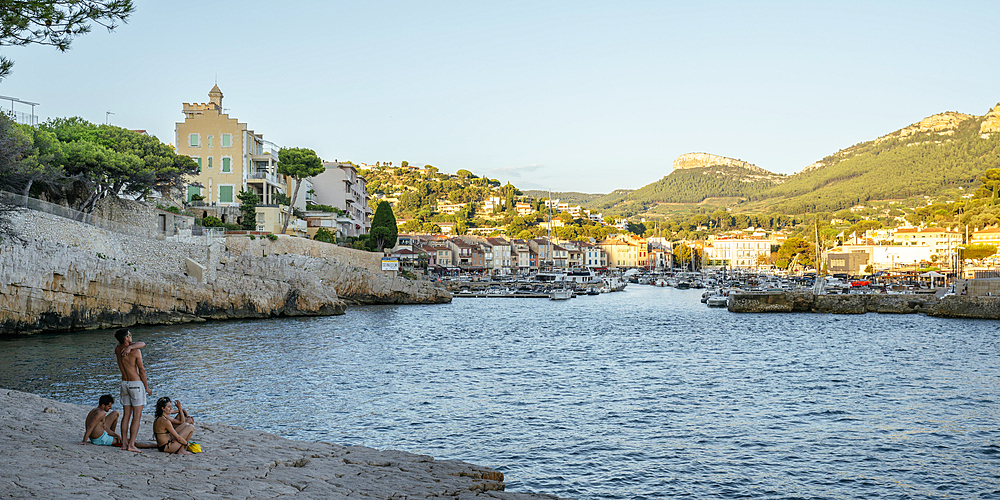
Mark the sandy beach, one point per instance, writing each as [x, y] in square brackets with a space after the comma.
[42, 458]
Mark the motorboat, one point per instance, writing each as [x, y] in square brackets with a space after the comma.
[561, 294]
[717, 301]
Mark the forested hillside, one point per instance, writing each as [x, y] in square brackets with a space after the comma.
[897, 166]
[943, 154]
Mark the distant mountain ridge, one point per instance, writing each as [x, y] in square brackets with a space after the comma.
[945, 151]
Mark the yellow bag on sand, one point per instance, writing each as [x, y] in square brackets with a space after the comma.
[194, 447]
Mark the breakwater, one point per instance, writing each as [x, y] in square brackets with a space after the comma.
[951, 306]
[68, 276]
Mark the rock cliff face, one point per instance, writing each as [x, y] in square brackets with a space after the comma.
[727, 166]
[48, 288]
[700, 160]
[991, 123]
[70, 277]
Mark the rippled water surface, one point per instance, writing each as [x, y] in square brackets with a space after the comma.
[640, 394]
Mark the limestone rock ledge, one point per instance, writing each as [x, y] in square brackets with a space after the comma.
[953, 306]
[72, 276]
[44, 460]
[47, 287]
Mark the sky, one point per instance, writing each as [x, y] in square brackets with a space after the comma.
[563, 95]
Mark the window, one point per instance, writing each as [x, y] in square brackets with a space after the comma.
[193, 140]
[209, 162]
[209, 141]
[197, 159]
[193, 190]
[227, 140]
[227, 164]
[225, 194]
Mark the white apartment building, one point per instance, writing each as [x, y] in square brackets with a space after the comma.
[748, 252]
[340, 186]
[941, 241]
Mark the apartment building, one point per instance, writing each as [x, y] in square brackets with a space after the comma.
[990, 236]
[502, 255]
[230, 156]
[340, 186]
[745, 252]
[625, 251]
[941, 241]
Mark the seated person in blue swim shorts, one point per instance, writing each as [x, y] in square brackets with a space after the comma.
[101, 424]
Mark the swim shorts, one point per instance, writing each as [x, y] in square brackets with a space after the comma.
[104, 440]
[133, 393]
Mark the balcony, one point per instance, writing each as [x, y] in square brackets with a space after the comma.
[265, 176]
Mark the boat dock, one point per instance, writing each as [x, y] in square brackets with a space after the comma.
[505, 295]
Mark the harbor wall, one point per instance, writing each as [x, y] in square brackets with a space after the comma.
[952, 306]
[69, 276]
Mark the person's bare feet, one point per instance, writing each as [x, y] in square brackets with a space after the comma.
[184, 452]
[133, 449]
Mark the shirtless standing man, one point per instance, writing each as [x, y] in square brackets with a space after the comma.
[133, 382]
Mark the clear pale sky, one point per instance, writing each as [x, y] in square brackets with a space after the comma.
[569, 96]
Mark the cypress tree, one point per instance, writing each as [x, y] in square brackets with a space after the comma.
[384, 231]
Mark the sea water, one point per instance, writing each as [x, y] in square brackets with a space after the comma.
[645, 393]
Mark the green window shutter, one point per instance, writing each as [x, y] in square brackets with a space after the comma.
[198, 161]
[227, 140]
[227, 165]
[193, 140]
[226, 194]
[209, 141]
[193, 190]
[209, 162]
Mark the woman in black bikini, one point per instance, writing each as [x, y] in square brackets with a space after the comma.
[168, 438]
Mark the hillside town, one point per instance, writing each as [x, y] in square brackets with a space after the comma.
[233, 159]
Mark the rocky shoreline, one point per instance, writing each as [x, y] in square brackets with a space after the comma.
[951, 306]
[43, 459]
[69, 276]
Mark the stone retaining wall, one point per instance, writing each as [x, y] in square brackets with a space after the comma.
[259, 246]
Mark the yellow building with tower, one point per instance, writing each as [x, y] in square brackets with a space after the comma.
[230, 156]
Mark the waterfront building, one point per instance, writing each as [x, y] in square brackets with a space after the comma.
[884, 257]
[990, 236]
[230, 156]
[593, 256]
[854, 263]
[661, 253]
[466, 255]
[502, 255]
[574, 254]
[340, 186]
[443, 254]
[523, 258]
[625, 251]
[939, 240]
[747, 252]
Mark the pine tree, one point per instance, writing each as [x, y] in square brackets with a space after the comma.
[248, 209]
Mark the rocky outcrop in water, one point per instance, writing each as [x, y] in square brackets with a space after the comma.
[953, 306]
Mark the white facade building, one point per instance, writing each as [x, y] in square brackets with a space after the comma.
[340, 186]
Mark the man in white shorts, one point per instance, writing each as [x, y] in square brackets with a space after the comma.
[134, 389]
